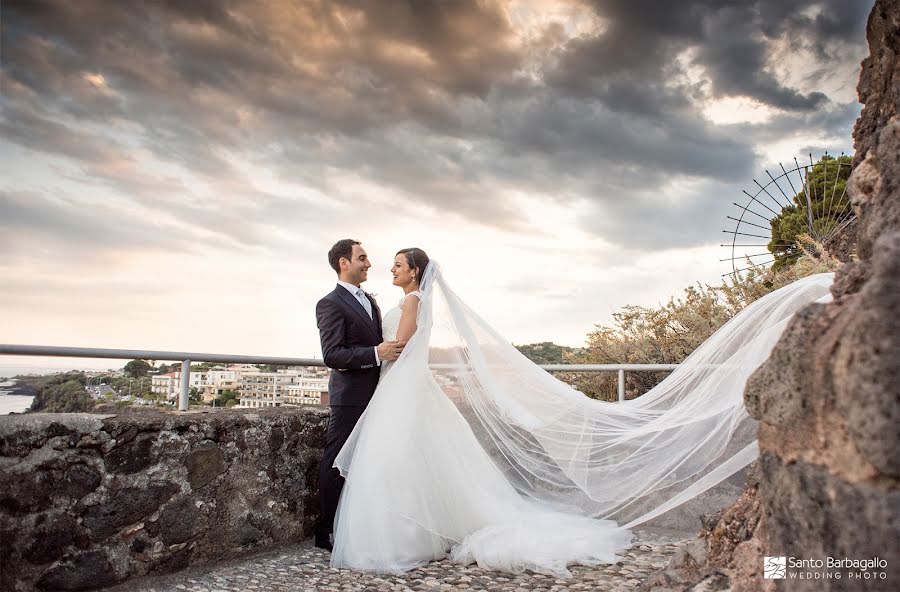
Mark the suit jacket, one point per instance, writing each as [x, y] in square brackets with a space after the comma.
[349, 337]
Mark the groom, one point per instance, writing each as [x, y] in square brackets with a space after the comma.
[349, 324]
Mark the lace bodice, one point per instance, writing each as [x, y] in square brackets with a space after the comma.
[390, 322]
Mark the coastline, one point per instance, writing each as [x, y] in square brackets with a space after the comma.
[14, 398]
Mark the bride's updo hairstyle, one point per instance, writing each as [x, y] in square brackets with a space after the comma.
[416, 259]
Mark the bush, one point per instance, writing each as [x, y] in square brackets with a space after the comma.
[62, 393]
[669, 333]
[545, 352]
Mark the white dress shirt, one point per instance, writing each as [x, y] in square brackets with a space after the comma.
[360, 296]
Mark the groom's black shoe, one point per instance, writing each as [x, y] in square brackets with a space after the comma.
[324, 543]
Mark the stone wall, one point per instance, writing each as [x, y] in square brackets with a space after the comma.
[828, 398]
[88, 501]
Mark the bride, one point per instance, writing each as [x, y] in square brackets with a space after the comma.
[469, 449]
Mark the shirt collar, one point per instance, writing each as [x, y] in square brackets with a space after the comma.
[349, 287]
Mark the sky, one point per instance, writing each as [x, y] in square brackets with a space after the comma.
[174, 173]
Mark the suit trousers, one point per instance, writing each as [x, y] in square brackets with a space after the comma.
[340, 424]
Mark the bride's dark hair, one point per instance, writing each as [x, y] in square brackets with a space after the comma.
[416, 259]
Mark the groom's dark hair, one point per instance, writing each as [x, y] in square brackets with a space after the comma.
[342, 248]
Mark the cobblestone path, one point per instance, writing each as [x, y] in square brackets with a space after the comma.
[305, 568]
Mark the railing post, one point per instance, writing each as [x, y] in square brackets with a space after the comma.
[621, 384]
[185, 385]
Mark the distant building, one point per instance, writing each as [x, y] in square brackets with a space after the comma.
[239, 369]
[290, 387]
[209, 383]
[307, 390]
[165, 384]
[218, 380]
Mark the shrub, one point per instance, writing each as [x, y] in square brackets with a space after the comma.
[669, 333]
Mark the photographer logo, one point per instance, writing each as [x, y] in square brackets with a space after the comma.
[829, 568]
[774, 568]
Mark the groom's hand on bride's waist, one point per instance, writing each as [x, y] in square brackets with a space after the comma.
[390, 350]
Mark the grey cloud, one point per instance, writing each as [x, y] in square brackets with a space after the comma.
[736, 60]
[430, 101]
[107, 161]
[829, 24]
[837, 122]
[24, 122]
[734, 42]
[30, 220]
[647, 222]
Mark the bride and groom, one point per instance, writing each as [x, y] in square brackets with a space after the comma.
[445, 440]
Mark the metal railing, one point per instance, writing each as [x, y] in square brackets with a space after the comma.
[186, 358]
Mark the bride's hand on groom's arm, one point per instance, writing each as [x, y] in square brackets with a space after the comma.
[389, 351]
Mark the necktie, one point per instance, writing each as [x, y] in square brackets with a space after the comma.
[361, 296]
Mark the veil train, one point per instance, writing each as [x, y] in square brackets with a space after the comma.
[660, 460]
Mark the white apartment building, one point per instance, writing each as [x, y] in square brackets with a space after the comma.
[308, 390]
[239, 369]
[170, 384]
[219, 380]
[218, 375]
[210, 383]
[292, 386]
[164, 384]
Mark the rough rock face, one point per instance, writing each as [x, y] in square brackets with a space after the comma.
[828, 398]
[88, 501]
[879, 81]
[717, 555]
[829, 405]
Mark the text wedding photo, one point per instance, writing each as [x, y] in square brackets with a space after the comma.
[450, 295]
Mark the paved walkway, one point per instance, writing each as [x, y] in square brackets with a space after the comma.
[305, 568]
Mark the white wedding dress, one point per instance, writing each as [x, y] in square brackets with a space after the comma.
[468, 449]
[421, 485]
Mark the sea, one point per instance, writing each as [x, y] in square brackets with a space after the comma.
[10, 403]
[13, 403]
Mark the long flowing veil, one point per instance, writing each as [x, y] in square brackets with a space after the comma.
[657, 460]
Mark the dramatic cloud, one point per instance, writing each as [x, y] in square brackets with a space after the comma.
[265, 129]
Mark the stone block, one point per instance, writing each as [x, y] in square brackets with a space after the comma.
[130, 455]
[84, 571]
[204, 464]
[125, 506]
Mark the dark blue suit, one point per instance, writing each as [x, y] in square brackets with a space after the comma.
[348, 337]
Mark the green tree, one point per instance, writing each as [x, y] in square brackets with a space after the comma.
[120, 384]
[546, 352]
[142, 387]
[194, 395]
[228, 398]
[137, 368]
[825, 192]
[62, 393]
